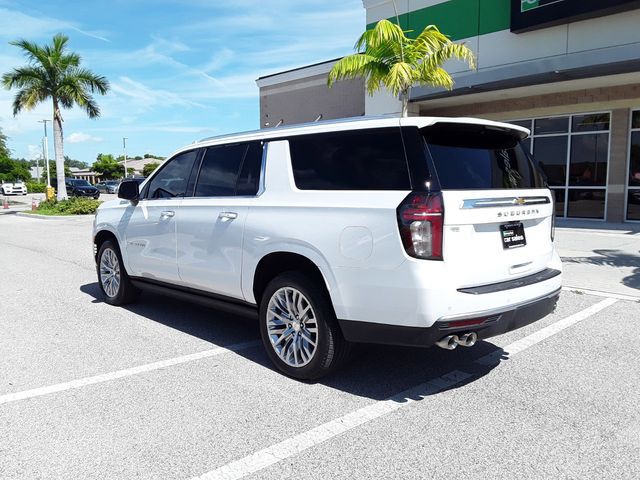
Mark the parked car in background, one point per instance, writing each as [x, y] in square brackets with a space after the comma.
[416, 231]
[13, 188]
[78, 188]
[108, 186]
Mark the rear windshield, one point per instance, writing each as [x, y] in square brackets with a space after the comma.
[477, 157]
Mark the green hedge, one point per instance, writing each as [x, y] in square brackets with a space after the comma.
[72, 206]
[35, 187]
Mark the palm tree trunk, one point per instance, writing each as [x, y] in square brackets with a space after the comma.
[404, 97]
[61, 191]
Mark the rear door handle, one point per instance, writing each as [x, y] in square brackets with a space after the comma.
[167, 213]
[226, 216]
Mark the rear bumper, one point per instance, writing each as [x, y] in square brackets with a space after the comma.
[497, 322]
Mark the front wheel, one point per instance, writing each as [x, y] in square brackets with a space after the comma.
[112, 277]
[299, 329]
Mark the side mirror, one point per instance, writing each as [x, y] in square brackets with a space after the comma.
[129, 190]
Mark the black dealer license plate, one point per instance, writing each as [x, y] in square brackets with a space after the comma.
[513, 235]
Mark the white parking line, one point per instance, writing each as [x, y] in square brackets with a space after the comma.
[599, 293]
[105, 377]
[303, 441]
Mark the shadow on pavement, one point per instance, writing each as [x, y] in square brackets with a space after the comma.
[612, 258]
[373, 371]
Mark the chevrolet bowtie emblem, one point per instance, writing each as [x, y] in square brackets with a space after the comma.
[520, 201]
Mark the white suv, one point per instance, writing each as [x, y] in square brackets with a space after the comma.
[16, 188]
[414, 231]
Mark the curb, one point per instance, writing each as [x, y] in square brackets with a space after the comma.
[50, 217]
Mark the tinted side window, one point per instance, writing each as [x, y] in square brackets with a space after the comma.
[172, 180]
[219, 170]
[354, 160]
[249, 180]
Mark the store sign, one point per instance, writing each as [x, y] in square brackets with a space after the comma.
[527, 5]
[533, 14]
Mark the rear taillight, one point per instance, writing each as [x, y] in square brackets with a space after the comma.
[420, 219]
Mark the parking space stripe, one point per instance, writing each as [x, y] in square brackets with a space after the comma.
[106, 377]
[303, 441]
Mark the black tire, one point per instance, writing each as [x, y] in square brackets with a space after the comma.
[331, 348]
[125, 292]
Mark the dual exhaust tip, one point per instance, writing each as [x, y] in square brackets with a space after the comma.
[452, 341]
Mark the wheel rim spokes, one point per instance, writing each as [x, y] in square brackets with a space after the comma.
[110, 273]
[292, 327]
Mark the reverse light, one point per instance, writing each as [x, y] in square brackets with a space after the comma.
[420, 220]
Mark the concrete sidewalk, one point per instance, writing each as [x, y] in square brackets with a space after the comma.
[600, 256]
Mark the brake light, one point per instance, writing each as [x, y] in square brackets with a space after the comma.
[421, 219]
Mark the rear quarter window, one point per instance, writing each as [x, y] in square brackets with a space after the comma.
[477, 157]
[354, 160]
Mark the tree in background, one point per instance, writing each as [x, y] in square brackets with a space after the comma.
[388, 58]
[10, 169]
[4, 149]
[54, 73]
[53, 171]
[149, 168]
[107, 167]
[71, 163]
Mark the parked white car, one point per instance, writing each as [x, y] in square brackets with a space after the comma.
[415, 231]
[13, 188]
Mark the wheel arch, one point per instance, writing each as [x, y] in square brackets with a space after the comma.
[276, 263]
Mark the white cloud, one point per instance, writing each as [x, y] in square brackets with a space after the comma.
[16, 24]
[79, 137]
[146, 97]
[34, 151]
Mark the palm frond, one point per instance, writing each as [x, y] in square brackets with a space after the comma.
[448, 52]
[352, 66]
[28, 98]
[384, 32]
[430, 40]
[437, 77]
[32, 51]
[399, 78]
[24, 76]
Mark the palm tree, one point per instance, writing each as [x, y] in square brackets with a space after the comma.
[387, 57]
[54, 73]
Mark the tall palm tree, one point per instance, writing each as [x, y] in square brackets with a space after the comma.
[54, 73]
[387, 57]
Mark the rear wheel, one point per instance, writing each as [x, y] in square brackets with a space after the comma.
[299, 329]
[112, 277]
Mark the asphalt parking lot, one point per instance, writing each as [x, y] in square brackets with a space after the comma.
[166, 389]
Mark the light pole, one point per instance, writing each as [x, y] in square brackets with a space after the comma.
[45, 150]
[124, 152]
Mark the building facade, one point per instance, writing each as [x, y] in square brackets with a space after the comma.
[569, 70]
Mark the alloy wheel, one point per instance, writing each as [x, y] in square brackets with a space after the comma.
[292, 327]
[110, 272]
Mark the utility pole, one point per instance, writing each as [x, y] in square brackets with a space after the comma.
[124, 152]
[45, 150]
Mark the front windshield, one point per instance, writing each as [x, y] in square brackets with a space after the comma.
[80, 183]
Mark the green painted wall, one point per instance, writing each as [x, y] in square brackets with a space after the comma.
[459, 18]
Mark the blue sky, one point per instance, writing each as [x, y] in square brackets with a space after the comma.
[180, 70]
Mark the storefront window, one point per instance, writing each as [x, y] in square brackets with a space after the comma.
[633, 184]
[573, 152]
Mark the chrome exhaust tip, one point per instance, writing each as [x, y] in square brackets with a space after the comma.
[468, 339]
[448, 343]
